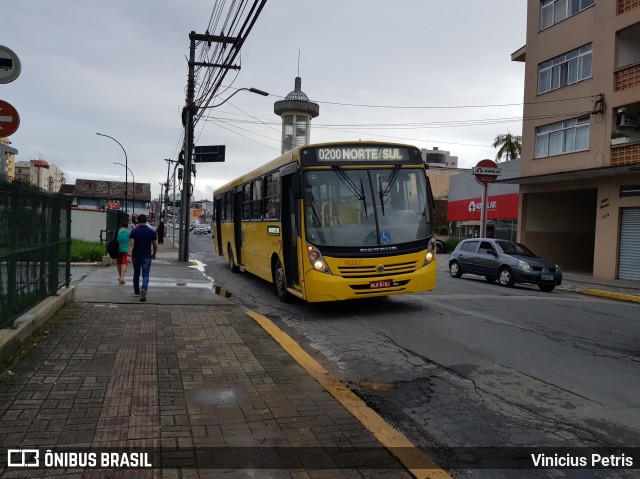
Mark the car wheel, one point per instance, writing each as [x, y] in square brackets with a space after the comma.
[547, 288]
[490, 279]
[439, 247]
[280, 283]
[454, 269]
[232, 265]
[505, 277]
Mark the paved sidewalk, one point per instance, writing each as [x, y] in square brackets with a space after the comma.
[187, 378]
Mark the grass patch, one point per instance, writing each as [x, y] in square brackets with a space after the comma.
[86, 251]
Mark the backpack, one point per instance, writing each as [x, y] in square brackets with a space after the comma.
[113, 247]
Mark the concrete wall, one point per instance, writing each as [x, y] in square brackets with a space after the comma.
[86, 224]
[464, 185]
[560, 226]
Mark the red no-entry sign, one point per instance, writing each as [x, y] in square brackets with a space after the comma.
[486, 171]
[9, 119]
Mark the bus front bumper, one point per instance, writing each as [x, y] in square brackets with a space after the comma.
[327, 287]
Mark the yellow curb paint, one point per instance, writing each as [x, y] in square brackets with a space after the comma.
[608, 294]
[398, 445]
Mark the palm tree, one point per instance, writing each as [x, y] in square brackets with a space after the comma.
[510, 146]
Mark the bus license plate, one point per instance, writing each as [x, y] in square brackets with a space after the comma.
[547, 277]
[383, 283]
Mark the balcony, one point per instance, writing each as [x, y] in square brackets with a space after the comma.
[626, 5]
[627, 77]
[627, 154]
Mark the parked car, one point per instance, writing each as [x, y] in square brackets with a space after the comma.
[506, 261]
[201, 228]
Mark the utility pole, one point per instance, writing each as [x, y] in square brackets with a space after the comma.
[188, 113]
[166, 190]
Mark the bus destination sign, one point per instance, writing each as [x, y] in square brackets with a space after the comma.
[361, 153]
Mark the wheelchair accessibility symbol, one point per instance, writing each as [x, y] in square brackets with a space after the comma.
[385, 237]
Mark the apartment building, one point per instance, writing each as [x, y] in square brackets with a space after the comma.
[47, 177]
[579, 186]
[7, 160]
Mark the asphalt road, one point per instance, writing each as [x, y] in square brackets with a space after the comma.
[472, 364]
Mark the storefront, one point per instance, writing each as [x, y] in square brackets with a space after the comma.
[465, 205]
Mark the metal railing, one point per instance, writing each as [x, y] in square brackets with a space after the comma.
[35, 248]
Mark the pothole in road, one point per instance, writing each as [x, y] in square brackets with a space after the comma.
[377, 386]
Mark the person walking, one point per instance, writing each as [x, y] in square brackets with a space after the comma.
[143, 245]
[123, 249]
[161, 233]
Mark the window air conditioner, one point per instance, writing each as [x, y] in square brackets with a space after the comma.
[628, 120]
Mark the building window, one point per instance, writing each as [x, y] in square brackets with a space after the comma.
[562, 137]
[554, 11]
[302, 126]
[563, 70]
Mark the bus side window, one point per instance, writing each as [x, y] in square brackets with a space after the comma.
[256, 199]
[271, 195]
[246, 201]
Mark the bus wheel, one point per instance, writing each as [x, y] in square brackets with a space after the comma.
[280, 283]
[232, 265]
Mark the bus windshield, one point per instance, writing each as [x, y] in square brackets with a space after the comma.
[367, 207]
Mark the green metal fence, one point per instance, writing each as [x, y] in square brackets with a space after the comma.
[35, 248]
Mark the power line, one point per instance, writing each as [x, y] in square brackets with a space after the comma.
[444, 107]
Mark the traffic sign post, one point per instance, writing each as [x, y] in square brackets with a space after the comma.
[486, 171]
[9, 65]
[9, 119]
[209, 154]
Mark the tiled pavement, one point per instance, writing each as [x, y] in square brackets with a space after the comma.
[194, 382]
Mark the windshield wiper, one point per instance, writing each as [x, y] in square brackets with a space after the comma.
[348, 182]
[352, 187]
[383, 193]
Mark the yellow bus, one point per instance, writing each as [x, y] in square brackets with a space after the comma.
[332, 221]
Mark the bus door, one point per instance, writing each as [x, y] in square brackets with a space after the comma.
[290, 229]
[218, 230]
[237, 225]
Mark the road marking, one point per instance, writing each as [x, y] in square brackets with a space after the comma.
[397, 444]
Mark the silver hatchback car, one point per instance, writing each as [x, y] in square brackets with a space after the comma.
[505, 261]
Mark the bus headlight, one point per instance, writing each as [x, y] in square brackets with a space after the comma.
[317, 261]
[431, 252]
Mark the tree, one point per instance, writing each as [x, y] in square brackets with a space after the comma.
[510, 146]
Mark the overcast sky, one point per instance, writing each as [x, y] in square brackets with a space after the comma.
[119, 67]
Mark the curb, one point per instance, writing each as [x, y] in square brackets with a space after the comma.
[11, 340]
[608, 294]
[418, 464]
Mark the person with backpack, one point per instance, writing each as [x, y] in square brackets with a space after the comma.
[123, 249]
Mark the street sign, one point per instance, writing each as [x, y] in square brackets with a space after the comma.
[209, 154]
[486, 171]
[9, 119]
[9, 65]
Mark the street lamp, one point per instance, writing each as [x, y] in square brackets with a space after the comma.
[126, 177]
[252, 90]
[134, 185]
